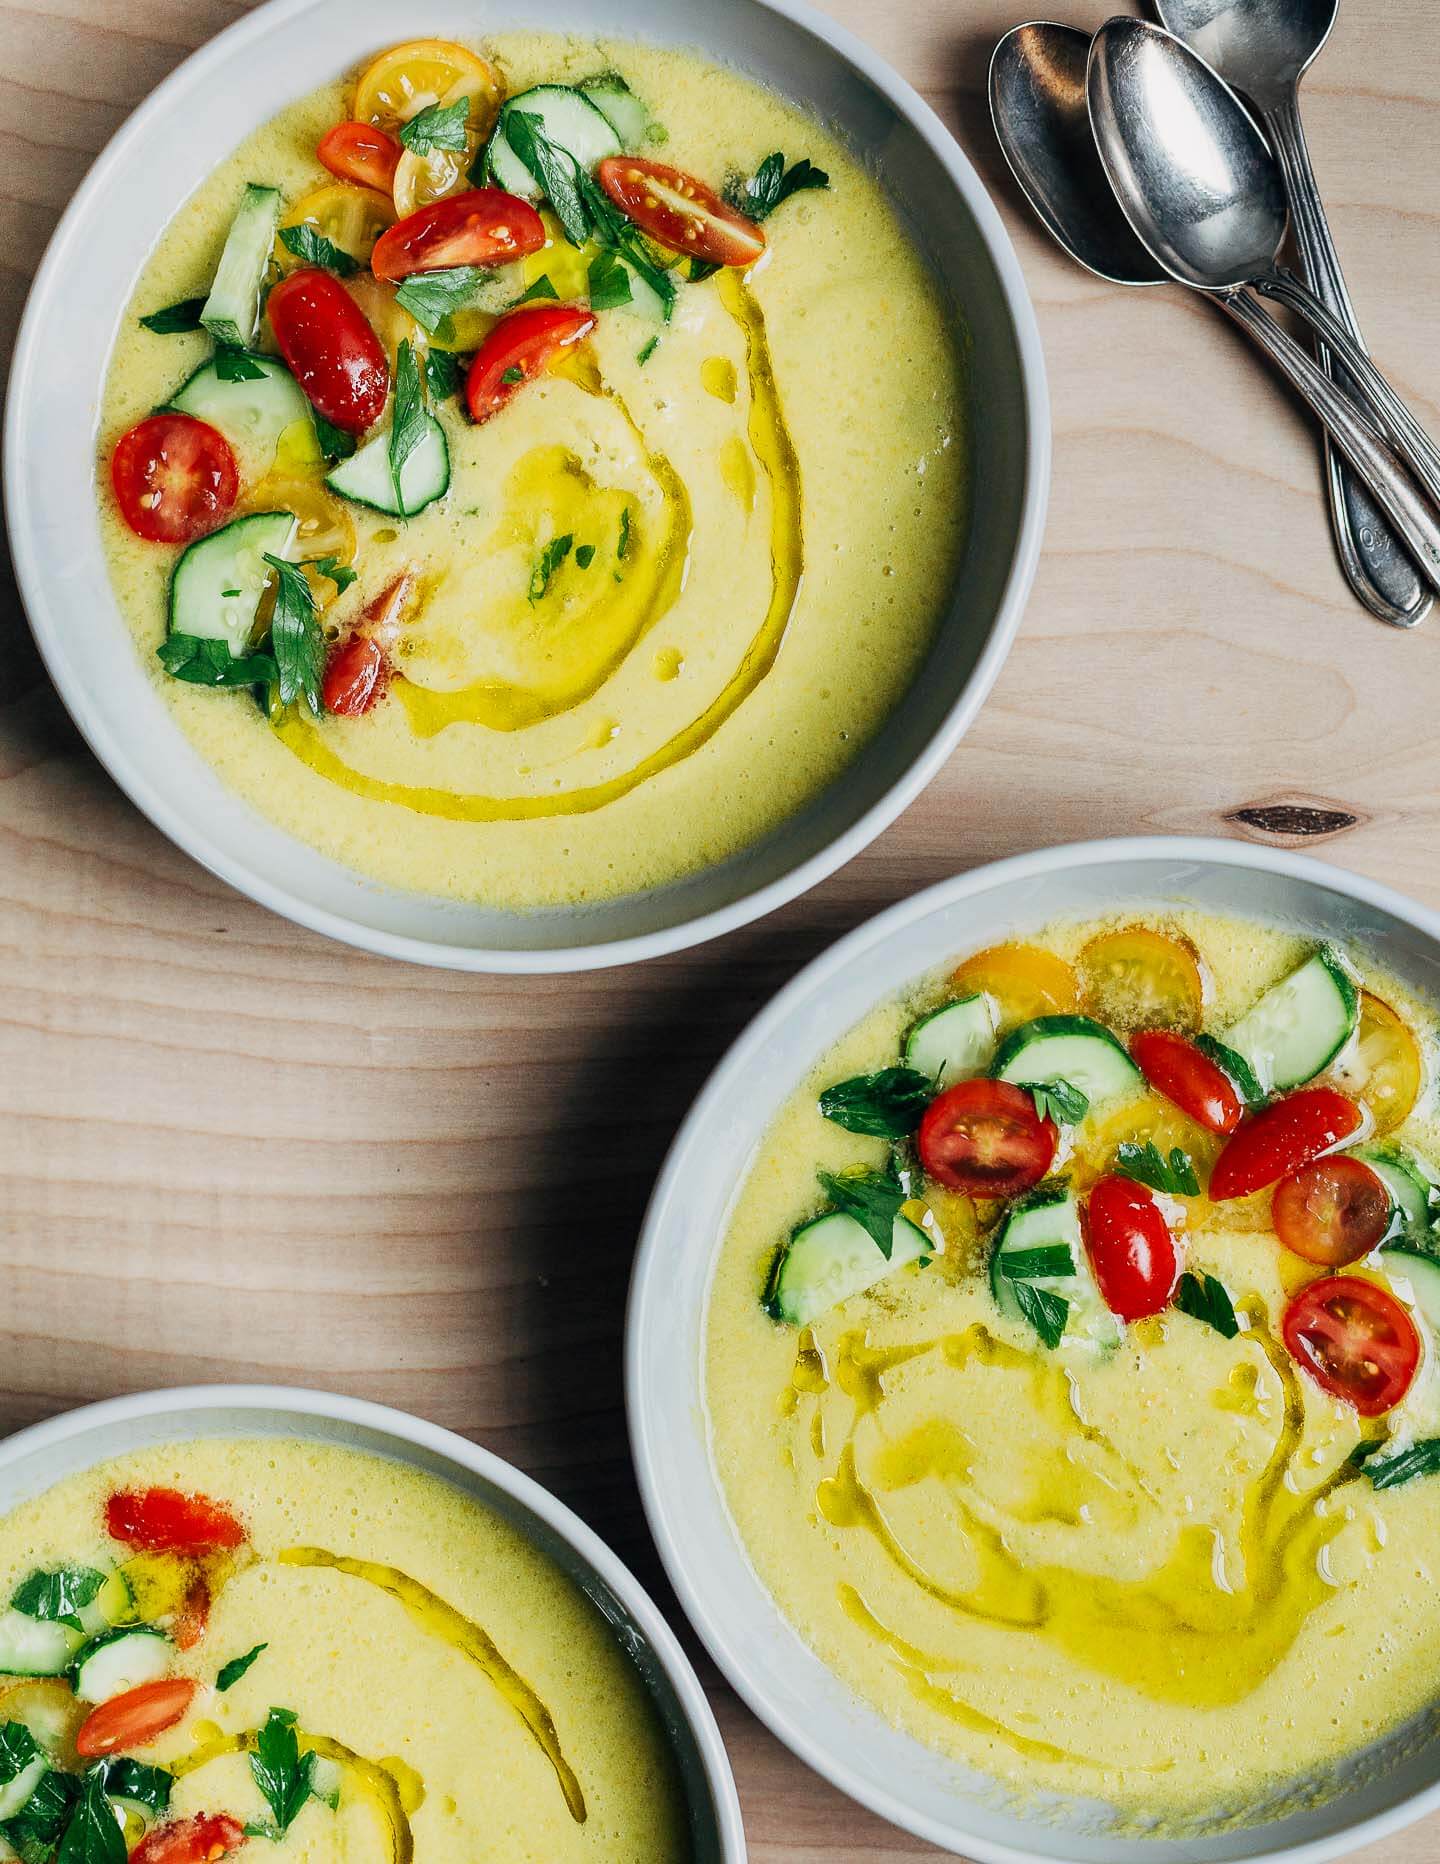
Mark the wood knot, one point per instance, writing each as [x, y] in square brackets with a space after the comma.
[1293, 821]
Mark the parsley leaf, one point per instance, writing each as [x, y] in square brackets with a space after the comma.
[334, 571]
[444, 372]
[872, 1198]
[888, 1104]
[297, 640]
[230, 1673]
[59, 1594]
[1060, 1101]
[585, 555]
[701, 269]
[311, 247]
[1389, 1472]
[1206, 1299]
[773, 183]
[278, 1768]
[1147, 1165]
[235, 365]
[541, 288]
[18, 1747]
[36, 1826]
[437, 126]
[1046, 1312]
[335, 443]
[609, 280]
[430, 297]
[175, 317]
[1039, 1264]
[513, 374]
[408, 417]
[92, 1834]
[146, 1786]
[202, 662]
[555, 170]
[546, 564]
[646, 351]
[624, 544]
[612, 228]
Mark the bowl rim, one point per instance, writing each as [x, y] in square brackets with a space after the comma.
[110, 748]
[446, 1445]
[727, 1649]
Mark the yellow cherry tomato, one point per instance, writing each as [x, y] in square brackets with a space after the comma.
[410, 76]
[1384, 1068]
[1151, 1120]
[420, 179]
[1022, 981]
[349, 217]
[1136, 978]
[323, 529]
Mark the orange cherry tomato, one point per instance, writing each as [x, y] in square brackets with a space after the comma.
[361, 152]
[1131, 1248]
[356, 671]
[136, 1718]
[1177, 1069]
[199, 1840]
[332, 352]
[518, 348]
[1354, 1340]
[174, 477]
[1332, 1212]
[679, 211]
[985, 1138]
[169, 1521]
[1280, 1139]
[483, 226]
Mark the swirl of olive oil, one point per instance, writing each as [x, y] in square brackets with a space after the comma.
[771, 443]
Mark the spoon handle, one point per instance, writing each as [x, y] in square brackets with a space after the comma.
[1388, 483]
[1380, 573]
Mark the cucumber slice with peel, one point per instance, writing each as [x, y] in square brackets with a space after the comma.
[567, 118]
[953, 1042]
[122, 1660]
[36, 1646]
[1041, 1246]
[1234, 1067]
[1076, 1049]
[251, 414]
[18, 1791]
[366, 477]
[218, 583]
[1300, 1025]
[232, 311]
[626, 113]
[1416, 1278]
[833, 1257]
[1414, 1194]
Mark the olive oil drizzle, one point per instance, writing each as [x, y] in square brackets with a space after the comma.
[440, 1619]
[772, 446]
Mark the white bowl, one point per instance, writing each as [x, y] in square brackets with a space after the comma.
[786, 1685]
[35, 1459]
[279, 52]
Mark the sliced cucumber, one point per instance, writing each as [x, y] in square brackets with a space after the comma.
[232, 311]
[1235, 1067]
[644, 300]
[252, 414]
[568, 119]
[832, 1257]
[216, 589]
[1414, 1193]
[366, 477]
[1300, 1024]
[1076, 1049]
[626, 114]
[1049, 1222]
[36, 1646]
[122, 1660]
[1417, 1279]
[112, 1605]
[953, 1042]
[17, 1792]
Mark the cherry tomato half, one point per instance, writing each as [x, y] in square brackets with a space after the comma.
[137, 1717]
[483, 226]
[200, 1840]
[1280, 1139]
[333, 353]
[168, 1521]
[174, 478]
[1132, 1252]
[361, 152]
[1332, 1212]
[355, 673]
[1177, 1069]
[986, 1139]
[680, 211]
[1354, 1340]
[518, 348]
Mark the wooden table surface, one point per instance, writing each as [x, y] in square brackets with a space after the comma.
[231, 1150]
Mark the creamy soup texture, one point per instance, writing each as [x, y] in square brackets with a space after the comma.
[469, 1699]
[774, 497]
[1146, 1573]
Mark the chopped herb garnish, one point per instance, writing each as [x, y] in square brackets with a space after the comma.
[872, 1198]
[334, 571]
[1060, 1101]
[437, 126]
[546, 564]
[1046, 1311]
[609, 280]
[624, 544]
[235, 365]
[1040, 1264]
[281, 1772]
[444, 372]
[36, 1826]
[773, 183]
[1205, 1298]
[18, 1747]
[175, 318]
[1389, 1472]
[335, 443]
[584, 555]
[310, 247]
[430, 297]
[1147, 1165]
[58, 1595]
[541, 288]
[200, 661]
[888, 1104]
[646, 351]
[554, 169]
[146, 1786]
[701, 269]
[92, 1833]
[408, 417]
[297, 640]
[230, 1673]
[512, 375]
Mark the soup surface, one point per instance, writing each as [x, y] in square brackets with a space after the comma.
[1099, 1484]
[674, 583]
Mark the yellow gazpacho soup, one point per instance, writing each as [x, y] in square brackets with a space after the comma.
[311, 1652]
[1071, 1364]
[559, 470]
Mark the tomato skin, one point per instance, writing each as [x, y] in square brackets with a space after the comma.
[484, 226]
[1354, 1340]
[361, 152]
[1177, 1069]
[169, 1521]
[525, 339]
[193, 1618]
[331, 351]
[200, 1840]
[1280, 1139]
[1132, 1252]
[136, 1718]
[1332, 1212]
[356, 670]
[174, 478]
[985, 1138]
[679, 211]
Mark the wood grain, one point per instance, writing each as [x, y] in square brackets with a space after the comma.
[229, 1149]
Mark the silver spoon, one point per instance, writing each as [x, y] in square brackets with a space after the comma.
[1263, 48]
[1039, 107]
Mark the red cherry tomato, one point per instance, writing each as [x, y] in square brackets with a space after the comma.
[361, 152]
[680, 211]
[1177, 1069]
[481, 227]
[524, 341]
[1131, 1249]
[355, 674]
[1354, 1340]
[136, 1718]
[986, 1139]
[167, 1521]
[174, 478]
[1332, 1212]
[332, 352]
[199, 1840]
[1281, 1138]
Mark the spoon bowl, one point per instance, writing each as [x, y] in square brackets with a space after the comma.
[1263, 47]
